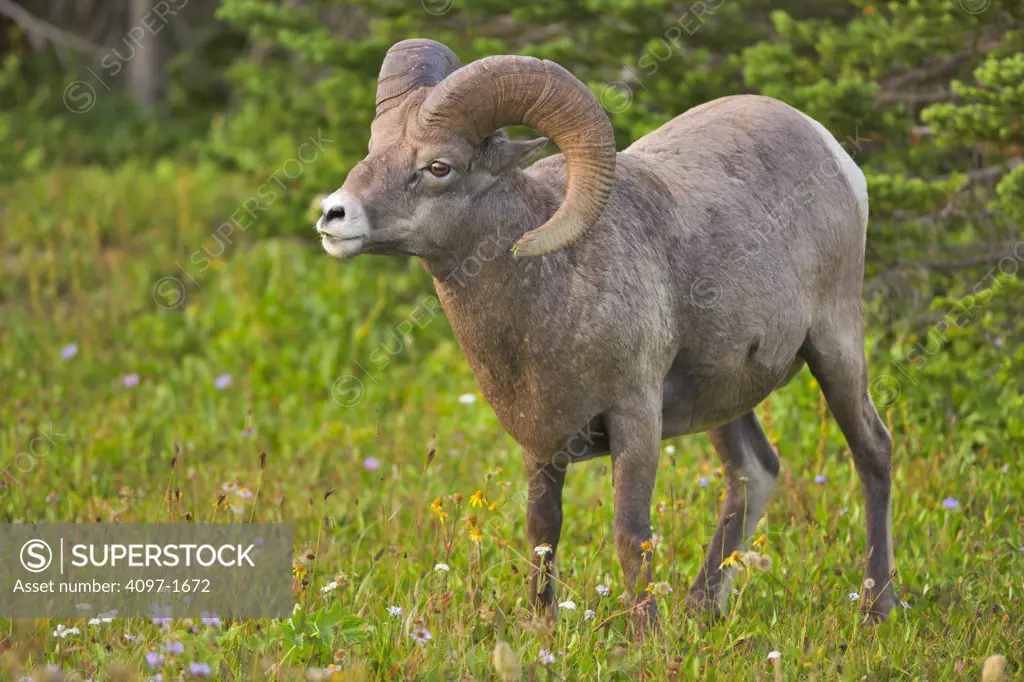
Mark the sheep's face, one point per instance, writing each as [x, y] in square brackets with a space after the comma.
[415, 190]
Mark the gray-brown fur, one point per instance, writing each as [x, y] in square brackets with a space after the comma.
[729, 252]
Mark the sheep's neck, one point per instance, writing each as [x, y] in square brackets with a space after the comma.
[479, 256]
[495, 302]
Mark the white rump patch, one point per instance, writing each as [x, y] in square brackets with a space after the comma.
[849, 167]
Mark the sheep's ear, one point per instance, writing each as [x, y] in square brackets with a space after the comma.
[500, 153]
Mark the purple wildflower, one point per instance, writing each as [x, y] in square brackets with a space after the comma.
[174, 647]
[69, 351]
[154, 659]
[161, 614]
[247, 432]
[371, 464]
[210, 619]
[421, 635]
[703, 482]
[950, 503]
[222, 381]
[130, 380]
[819, 479]
[199, 669]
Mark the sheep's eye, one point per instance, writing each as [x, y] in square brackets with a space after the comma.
[439, 169]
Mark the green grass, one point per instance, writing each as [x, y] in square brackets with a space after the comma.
[82, 251]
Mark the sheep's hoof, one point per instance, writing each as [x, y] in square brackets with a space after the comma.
[643, 618]
[702, 605]
[876, 607]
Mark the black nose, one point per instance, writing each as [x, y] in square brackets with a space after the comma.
[335, 212]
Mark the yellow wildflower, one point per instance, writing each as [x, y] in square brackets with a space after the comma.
[477, 500]
[475, 534]
[492, 506]
[437, 507]
[761, 542]
[646, 546]
[730, 560]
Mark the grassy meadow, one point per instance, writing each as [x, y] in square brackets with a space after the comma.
[133, 347]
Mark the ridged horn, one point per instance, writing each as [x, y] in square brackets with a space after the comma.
[506, 90]
[412, 64]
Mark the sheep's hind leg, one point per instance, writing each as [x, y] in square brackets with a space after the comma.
[751, 466]
[835, 357]
[634, 429]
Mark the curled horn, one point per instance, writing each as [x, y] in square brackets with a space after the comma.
[412, 64]
[498, 91]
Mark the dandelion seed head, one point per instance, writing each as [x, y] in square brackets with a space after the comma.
[505, 662]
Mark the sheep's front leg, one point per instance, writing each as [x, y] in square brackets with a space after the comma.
[543, 527]
[634, 429]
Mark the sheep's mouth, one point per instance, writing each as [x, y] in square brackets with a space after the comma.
[341, 247]
[335, 239]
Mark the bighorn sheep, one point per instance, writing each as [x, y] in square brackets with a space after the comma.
[663, 290]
